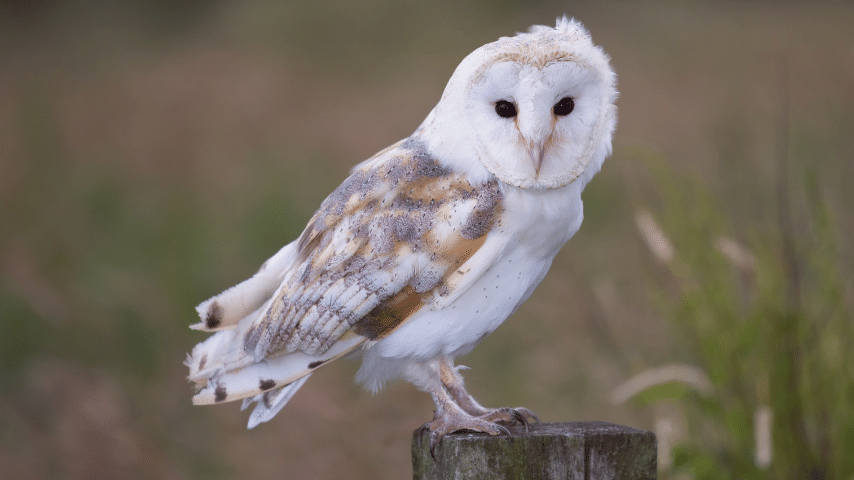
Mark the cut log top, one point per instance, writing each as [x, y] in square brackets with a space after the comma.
[573, 450]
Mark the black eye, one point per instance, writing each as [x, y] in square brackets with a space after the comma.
[564, 106]
[505, 109]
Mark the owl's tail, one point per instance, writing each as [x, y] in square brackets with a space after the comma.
[223, 372]
[270, 402]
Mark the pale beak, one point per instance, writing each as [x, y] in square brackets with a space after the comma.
[537, 152]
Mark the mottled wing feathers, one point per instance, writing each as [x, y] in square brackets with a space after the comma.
[379, 246]
[388, 241]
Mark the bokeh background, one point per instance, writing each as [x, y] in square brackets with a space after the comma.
[154, 153]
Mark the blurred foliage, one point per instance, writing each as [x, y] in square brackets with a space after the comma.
[771, 329]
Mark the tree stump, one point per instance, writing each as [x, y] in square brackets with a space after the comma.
[573, 450]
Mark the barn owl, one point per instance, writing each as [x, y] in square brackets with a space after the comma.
[430, 244]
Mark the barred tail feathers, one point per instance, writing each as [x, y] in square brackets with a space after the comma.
[254, 379]
[271, 402]
[222, 351]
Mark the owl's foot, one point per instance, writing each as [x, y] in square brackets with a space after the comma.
[449, 418]
[454, 385]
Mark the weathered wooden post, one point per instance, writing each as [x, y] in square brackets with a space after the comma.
[575, 450]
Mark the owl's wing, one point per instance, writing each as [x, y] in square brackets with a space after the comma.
[400, 234]
[225, 310]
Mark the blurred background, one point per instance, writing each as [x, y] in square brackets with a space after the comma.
[156, 153]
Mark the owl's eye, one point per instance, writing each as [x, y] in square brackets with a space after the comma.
[564, 106]
[505, 109]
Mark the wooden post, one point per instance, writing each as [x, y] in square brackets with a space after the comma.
[574, 450]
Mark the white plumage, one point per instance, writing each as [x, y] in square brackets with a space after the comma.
[432, 243]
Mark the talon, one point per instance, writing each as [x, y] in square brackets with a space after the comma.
[529, 414]
[520, 417]
[435, 440]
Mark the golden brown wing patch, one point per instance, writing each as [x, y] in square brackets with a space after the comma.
[389, 314]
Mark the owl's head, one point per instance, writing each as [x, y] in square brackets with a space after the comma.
[538, 108]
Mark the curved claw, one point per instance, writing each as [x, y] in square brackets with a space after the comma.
[510, 416]
[435, 440]
[528, 414]
[520, 417]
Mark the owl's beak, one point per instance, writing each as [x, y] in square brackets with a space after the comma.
[537, 133]
[537, 152]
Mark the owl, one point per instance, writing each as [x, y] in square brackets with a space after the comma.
[430, 244]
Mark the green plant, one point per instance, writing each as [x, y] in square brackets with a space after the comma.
[770, 328]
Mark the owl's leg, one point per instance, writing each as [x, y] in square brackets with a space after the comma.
[455, 386]
[449, 417]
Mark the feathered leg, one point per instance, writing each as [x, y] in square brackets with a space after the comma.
[456, 410]
[455, 386]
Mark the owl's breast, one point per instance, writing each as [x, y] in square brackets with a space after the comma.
[542, 221]
[524, 240]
